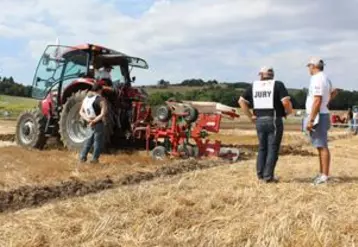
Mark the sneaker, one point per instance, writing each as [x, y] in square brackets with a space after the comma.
[274, 180]
[323, 179]
[83, 160]
[128, 135]
[94, 161]
[316, 177]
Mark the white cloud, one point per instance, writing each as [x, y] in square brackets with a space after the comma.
[226, 39]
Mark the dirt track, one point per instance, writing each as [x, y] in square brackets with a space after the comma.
[28, 196]
[244, 125]
[59, 186]
[32, 177]
[7, 126]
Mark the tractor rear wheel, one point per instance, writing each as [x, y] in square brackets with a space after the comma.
[30, 129]
[73, 129]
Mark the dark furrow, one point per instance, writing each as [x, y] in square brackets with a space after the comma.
[7, 137]
[32, 196]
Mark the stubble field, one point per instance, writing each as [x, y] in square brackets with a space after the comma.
[47, 199]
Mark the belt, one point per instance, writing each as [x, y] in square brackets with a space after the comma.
[268, 117]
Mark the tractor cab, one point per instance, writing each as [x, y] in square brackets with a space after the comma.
[63, 69]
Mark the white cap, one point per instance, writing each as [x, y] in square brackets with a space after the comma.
[265, 70]
[315, 61]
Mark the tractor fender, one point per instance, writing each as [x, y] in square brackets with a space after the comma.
[77, 85]
[46, 106]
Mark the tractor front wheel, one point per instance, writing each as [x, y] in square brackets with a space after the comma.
[30, 129]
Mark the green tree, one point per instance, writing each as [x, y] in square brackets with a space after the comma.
[163, 83]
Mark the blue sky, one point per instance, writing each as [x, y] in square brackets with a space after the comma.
[227, 40]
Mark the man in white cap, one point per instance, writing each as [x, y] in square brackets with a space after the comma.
[317, 121]
[270, 102]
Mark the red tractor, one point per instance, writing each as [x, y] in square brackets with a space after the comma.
[62, 79]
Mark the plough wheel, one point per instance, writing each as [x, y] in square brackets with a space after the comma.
[231, 154]
[195, 151]
[192, 114]
[163, 113]
[159, 153]
[185, 151]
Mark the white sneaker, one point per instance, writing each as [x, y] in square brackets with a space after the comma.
[323, 179]
[317, 176]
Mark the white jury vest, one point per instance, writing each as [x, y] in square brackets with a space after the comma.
[355, 115]
[88, 106]
[263, 95]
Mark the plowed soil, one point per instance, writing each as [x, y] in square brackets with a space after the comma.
[22, 167]
[33, 177]
[28, 196]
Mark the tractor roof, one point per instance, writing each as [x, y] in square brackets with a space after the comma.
[111, 54]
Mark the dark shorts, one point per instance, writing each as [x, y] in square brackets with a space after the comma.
[319, 136]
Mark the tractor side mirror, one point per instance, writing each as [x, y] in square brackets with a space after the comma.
[133, 79]
[45, 59]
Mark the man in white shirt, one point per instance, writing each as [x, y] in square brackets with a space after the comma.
[318, 118]
[104, 74]
[93, 111]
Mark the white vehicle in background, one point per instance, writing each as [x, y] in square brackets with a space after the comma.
[355, 119]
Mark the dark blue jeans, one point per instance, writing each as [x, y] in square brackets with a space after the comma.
[269, 133]
[97, 140]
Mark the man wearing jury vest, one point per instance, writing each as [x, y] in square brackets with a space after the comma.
[270, 102]
[93, 111]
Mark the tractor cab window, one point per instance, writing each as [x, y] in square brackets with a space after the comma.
[119, 74]
[75, 67]
[117, 77]
[58, 64]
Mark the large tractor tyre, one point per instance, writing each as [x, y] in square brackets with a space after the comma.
[163, 113]
[73, 129]
[191, 114]
[30, 129]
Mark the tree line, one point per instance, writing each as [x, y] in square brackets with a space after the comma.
[211, 90]
[229, 93]
[200, 83]
[9, 87]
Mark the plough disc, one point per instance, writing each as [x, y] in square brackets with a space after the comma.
[231, 154]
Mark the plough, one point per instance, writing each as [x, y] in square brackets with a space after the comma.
[181, 129]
